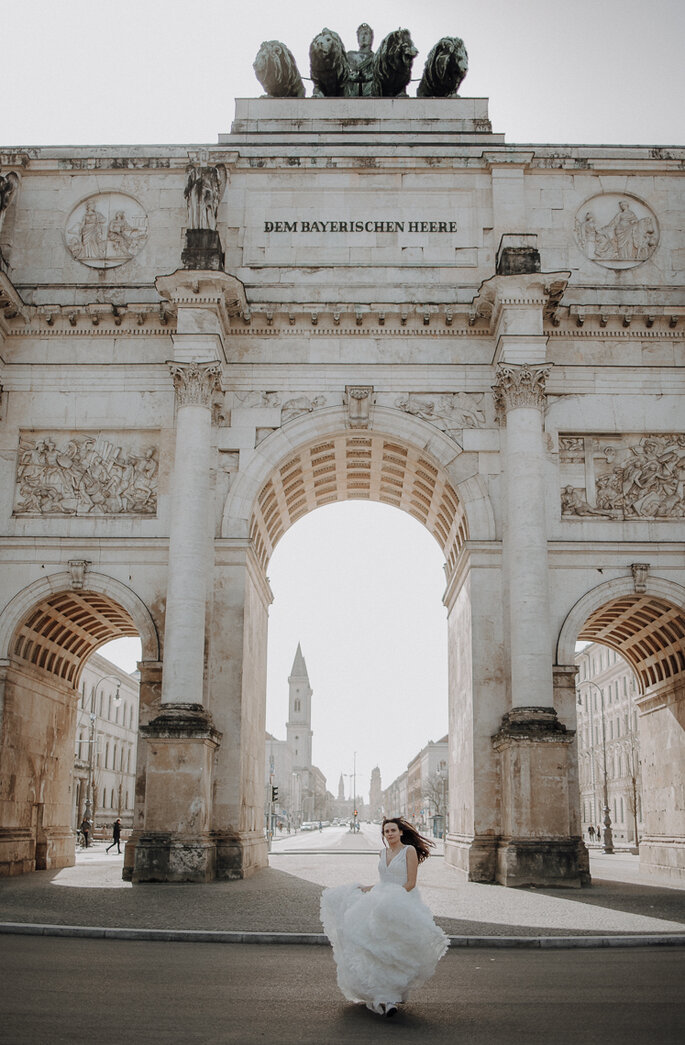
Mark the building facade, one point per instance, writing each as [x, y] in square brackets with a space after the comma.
[384, 300]
[609, 765]
[106, 746]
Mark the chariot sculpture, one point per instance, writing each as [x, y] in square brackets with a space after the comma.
[339, 73]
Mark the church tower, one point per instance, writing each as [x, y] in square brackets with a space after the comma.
[299, 725]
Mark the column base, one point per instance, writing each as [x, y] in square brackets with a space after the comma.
[475, 858]
[17, 851]
[161, 858]
[547, 862]
[239, 856]
[539, 844]
[55, 847]
[663, 856]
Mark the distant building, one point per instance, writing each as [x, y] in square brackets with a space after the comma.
[105, 746]
[375, 795]
[427, 784]
[608, 741]
[301, 785]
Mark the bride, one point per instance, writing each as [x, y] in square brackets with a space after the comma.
[384, 939]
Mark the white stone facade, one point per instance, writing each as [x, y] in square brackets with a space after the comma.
[609, 742]
[105, 745]
[410, 310]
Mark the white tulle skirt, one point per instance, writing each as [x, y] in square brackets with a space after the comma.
[385, 941]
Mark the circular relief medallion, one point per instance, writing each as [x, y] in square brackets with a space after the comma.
[616, 230]
[106, 230]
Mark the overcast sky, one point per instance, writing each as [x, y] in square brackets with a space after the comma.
[358, 585]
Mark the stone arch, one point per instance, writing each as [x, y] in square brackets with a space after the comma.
[31, 608]
[647, 628]
[430, 477]
[47, 633]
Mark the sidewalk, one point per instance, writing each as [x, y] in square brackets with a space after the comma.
[284, 899]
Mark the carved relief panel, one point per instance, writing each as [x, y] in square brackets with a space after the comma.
[616, 231]
[106, 230]
[623, 476]
[86, 473]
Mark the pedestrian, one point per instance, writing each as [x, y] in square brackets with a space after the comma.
[85, 830]
[116, 835]
[320, 827]
[599, 833]
[384, 939]
[591, 832]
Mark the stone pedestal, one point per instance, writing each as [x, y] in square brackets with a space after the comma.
[537, 845]
[175, 845]
[203, 251]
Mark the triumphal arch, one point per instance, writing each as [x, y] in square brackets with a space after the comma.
[355, 295]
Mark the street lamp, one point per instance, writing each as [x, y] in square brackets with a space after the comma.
[91, 739]
[353, 777]
[608, 836]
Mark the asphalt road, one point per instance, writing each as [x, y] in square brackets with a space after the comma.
[113, 992]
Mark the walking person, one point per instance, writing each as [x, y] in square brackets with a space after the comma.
[385, 942]
[85, 830]
[116, 835]
[591, 832]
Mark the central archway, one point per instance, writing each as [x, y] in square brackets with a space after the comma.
[315, 460]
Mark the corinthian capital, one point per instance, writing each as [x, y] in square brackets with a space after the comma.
[519, 386]
[195, 383]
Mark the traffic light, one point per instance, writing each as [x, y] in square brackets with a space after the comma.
[355, 812]
[274, 794]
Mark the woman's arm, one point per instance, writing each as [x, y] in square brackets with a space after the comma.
[412, 868]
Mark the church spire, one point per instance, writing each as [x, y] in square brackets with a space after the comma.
[299, 668]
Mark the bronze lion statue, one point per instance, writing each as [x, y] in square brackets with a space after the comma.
[445, 68]
[392, 65]
[276, 70]
[330, 68]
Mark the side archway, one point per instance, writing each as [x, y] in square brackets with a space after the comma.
[647, 628]
[47, 633]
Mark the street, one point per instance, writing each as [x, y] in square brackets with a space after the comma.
[61, 991]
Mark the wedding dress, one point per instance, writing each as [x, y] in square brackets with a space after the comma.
[385, 941]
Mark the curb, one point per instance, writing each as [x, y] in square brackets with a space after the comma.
[321, 940]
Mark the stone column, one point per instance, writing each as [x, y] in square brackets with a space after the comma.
[520, 398]
[539, 842]
[175, 844]
[189, 537]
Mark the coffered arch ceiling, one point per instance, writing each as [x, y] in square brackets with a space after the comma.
[647, 631]
[362, 466]
[62, 631]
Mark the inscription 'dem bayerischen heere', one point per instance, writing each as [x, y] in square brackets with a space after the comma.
[360, 226]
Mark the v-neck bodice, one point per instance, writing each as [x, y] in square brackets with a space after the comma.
[396, 870]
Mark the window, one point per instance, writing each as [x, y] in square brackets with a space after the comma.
[106, 755]
[297, 704]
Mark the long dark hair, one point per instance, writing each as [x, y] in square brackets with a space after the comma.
[409, 836]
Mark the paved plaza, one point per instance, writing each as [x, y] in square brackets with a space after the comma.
[284, 898]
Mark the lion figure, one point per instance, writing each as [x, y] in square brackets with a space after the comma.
[392, 65]
[445, 68]
[276, 70]
[330, 68]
